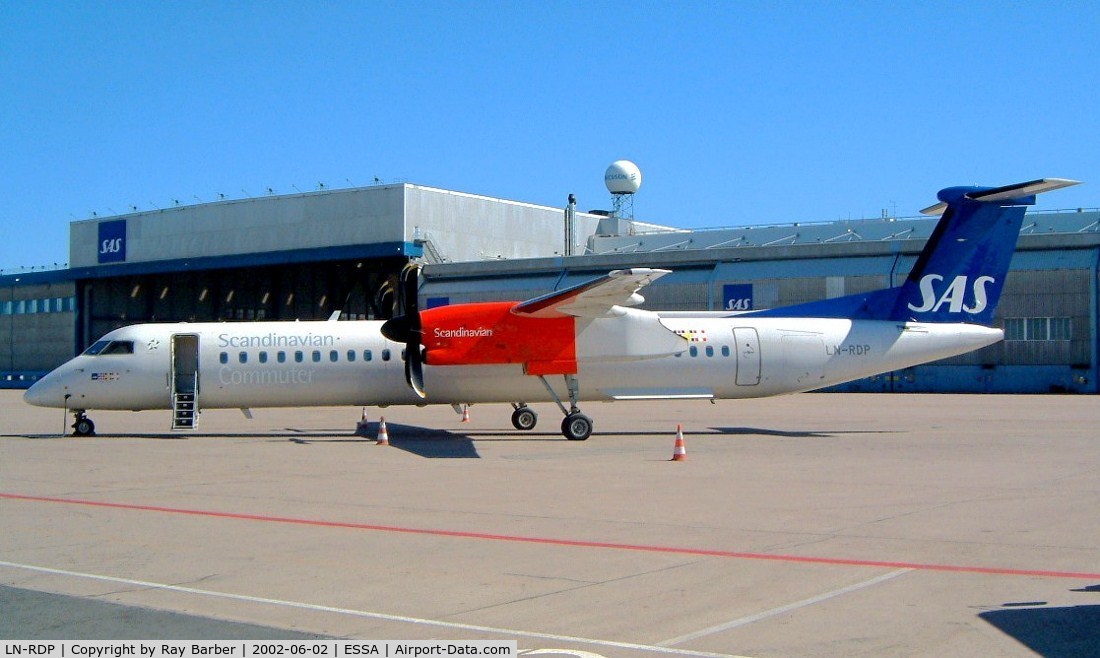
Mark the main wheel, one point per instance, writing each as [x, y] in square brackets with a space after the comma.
[83, 427]
[524, 419]
[576, 427]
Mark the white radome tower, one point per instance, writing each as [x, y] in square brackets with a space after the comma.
[623, 178]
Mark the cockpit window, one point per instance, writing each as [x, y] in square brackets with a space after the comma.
[96, 347]
[110, 347]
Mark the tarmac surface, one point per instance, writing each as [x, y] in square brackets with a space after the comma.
[809, 525]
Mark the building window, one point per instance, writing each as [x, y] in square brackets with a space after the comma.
[1038, 329]
[1060, 329]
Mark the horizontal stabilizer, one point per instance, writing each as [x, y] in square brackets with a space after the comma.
[1023, 192]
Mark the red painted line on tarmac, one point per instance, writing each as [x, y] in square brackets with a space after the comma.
[577, 543]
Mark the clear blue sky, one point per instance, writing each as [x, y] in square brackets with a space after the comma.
[736, 112]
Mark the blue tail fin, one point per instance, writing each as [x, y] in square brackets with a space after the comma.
[959, 275]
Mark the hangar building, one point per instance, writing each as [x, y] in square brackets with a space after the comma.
[304, 256]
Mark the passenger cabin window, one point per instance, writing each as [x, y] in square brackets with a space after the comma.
[710, 350]
[298, 356]
[351, 355]
[281, 357]
[316, 356]
[333, 356]
[223, 357]
[368, 355]
[385, 355]
[263, 357]
[725, 350]
[242, 357]
[693, 351]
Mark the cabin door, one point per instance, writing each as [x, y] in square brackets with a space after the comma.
[747, 343]
[185, 381]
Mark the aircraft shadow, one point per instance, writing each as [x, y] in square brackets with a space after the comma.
[421, 441]
[437, 443]
[1051, 632]
[762, 431]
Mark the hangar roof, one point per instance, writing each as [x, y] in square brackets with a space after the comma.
[396, 219]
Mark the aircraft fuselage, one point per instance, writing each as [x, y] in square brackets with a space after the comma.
[275, 364]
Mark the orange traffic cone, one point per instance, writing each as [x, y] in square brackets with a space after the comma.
[383, 435]
[679, 454]
[465, 413]
[362, 426]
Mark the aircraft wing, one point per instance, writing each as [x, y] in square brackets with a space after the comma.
[593, 298]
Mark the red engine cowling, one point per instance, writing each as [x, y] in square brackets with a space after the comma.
[489, 333]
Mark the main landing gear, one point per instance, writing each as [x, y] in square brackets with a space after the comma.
[575, 426]
[83, 426]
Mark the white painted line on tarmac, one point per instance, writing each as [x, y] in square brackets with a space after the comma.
[782, 609]
[372, 615]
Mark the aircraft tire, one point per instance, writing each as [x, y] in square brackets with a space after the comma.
[83, 427]
[524, 419]
[576, 427]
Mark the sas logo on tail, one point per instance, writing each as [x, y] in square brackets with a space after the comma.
[954, 295]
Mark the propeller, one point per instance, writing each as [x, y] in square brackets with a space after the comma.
[405, 327]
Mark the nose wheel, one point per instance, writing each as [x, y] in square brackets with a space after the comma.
[82, 425]
[524, 418]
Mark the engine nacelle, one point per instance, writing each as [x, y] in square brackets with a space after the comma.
[489, 333]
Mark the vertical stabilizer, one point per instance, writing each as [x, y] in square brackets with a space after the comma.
[961, 271]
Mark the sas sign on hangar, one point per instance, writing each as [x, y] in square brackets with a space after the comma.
[112, 242]
[737, 297]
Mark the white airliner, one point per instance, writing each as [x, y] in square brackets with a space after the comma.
[584, 343]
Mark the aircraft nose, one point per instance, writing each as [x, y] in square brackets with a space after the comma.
[46, 392]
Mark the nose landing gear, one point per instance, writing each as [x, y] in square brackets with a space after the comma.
[524, 418]
[82, 425]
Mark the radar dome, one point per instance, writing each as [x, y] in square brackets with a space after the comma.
[622, 177]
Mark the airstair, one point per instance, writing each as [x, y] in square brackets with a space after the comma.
[185, 412]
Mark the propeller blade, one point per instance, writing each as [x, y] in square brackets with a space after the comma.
[414, 373]
[410, 328]
[409, 289]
